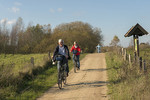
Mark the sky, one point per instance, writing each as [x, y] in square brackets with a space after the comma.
[113, 17]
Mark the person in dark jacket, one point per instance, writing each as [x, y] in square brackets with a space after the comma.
[63, 50]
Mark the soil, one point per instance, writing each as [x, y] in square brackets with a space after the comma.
[89, 83]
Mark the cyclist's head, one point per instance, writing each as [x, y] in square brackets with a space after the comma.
[60, 42]
[75, 44]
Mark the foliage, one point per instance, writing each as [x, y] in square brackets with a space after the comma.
[83, 33]
[115, 41]
[41, 38]
[127, 81]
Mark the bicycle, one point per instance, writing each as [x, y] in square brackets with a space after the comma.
[62, 74]
[76, 65]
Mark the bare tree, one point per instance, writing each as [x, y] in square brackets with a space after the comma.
[16, 29]
[4, 36]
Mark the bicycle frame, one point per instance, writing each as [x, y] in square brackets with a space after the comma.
[61, 71]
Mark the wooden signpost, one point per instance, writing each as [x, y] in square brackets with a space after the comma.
[136, 31]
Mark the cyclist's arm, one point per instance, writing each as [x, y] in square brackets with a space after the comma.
[71, 49]
[68, 55]
[55, 53]
[79, 50]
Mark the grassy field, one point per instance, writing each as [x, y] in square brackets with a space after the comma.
[22, 63]
[144, 52]
[31, 85]
[127, 82]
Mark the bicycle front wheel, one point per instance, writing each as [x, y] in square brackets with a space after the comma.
[59, 81]
[65, 80]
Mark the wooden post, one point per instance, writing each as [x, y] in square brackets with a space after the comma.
[125, 54]
[122, 51]
[129, 58]
[138, 53]
[144, 66]
[49, 55]
[134, 56]
[134, 42]
[32, 61]
[140, 62]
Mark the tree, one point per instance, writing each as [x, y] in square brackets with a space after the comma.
[115, 41]
[17, 29]
[87, 36]
[4, 37]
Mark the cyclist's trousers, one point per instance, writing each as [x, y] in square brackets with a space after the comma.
[67, 67]
[78, 60]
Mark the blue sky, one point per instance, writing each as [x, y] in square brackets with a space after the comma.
[113, 17]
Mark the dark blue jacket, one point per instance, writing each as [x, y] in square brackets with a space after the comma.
[57, 50]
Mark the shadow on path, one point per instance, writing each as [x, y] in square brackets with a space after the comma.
[100, 69]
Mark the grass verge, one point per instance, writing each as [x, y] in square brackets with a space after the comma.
[126, 82]
[33, 88]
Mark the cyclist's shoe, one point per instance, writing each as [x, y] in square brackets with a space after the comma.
[67, 74]
[54, 63]
[78, 68]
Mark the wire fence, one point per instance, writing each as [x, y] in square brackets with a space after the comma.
[142, 62]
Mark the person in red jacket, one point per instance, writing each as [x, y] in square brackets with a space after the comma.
[76, 51]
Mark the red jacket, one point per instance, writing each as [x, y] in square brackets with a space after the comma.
[78, 49]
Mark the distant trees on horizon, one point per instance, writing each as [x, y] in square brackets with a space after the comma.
[41, 38]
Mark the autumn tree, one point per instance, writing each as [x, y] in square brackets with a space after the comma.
[115, 41]
[87, 36]
[4, 37]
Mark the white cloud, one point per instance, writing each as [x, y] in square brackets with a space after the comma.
[3, 20]
[15, 9]
[56, 10]
[17, 3]
[59, 9]
[52, 10]
[9, 22]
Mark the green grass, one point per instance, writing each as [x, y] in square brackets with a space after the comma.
[21, 63]
[144, 52]
[32, 85]
[127, 82]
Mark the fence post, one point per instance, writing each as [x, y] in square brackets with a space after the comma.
[122, 51]
[32, 61]
[144, 66]
[125, 54]
[49, 55]
[140, 61]
[134, 56]
[129, 58]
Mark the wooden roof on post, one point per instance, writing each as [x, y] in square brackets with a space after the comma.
[136, 30]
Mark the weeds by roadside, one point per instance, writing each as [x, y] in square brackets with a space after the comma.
[126, 81]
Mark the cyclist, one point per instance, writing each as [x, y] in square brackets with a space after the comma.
[63, 50]
[77, 48]
[98, 48]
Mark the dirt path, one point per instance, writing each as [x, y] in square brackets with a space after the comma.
[87, 84]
